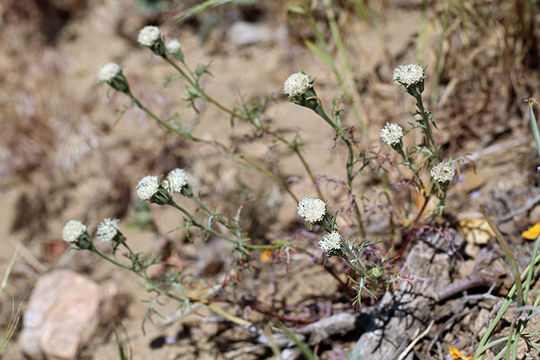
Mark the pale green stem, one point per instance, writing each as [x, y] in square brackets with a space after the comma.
[241, 157]
[350, 163]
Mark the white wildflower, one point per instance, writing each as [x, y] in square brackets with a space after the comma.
[312, 210]
[443, 172]
[73, 230]
[173, 47]
[176, 180]
[107, 230]
[392, 134]
[108, 72]
[408, 74]
[331, 242]
[149, 35]
[147, 187]
[296, 84]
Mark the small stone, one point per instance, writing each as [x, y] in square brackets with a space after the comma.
[62, 315]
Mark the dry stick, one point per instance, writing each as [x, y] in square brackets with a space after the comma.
[471, 281]
[530, 204]
[415, 340]
[448, 325]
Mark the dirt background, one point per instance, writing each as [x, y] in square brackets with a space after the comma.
[68, 150]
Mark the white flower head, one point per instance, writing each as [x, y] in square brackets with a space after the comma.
[331, 242]
[392, 134]
[409, 74]
[173, 47]
[443, 172]
[73, 230]
[107, 230]
[296, 84]
[312, 210]
[149, 35]
[147, 187]
[176, 180]
[108, 72]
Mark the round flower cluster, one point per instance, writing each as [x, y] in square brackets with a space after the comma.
[392, 134]
[107, 230]
[147, 187]
[409, 74]
[296, 84]
[73, 230]
[149, 35]
[176, 180]
[173, 47]
[312, 210]
[108, 72]
[443, 172]
[331, 242]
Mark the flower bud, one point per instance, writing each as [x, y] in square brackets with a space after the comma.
[150, 36]
[173, 48]
[111, 73]
[75, 232]
[149, 188]
[107, 231]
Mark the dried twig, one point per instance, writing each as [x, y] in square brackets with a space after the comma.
[471, 281]
[415, 340]
[530, 204]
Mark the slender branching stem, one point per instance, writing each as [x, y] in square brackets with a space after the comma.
[342, 134]
[426, 125]
[200, 225]
[233, 113]
[238, 156]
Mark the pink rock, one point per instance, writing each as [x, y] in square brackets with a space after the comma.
[62, 315]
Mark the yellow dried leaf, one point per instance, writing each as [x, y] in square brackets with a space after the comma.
[456, 354]
[532, 233]
[475, 230]
[266, 256]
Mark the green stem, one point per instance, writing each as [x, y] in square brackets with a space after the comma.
[293, 147]
[201, 204]
[534, 125]
[231, 112]
[221, 146]
[350, 162]
[207, 97]
[509, 256]
[320, 111]
[113, 261]
[199, 225]
[426, 125]
[334, 30]
[482, 346]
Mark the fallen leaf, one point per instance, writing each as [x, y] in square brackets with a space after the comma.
[456, 354]
[266, 256]
[475, 230]
[532, 233]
